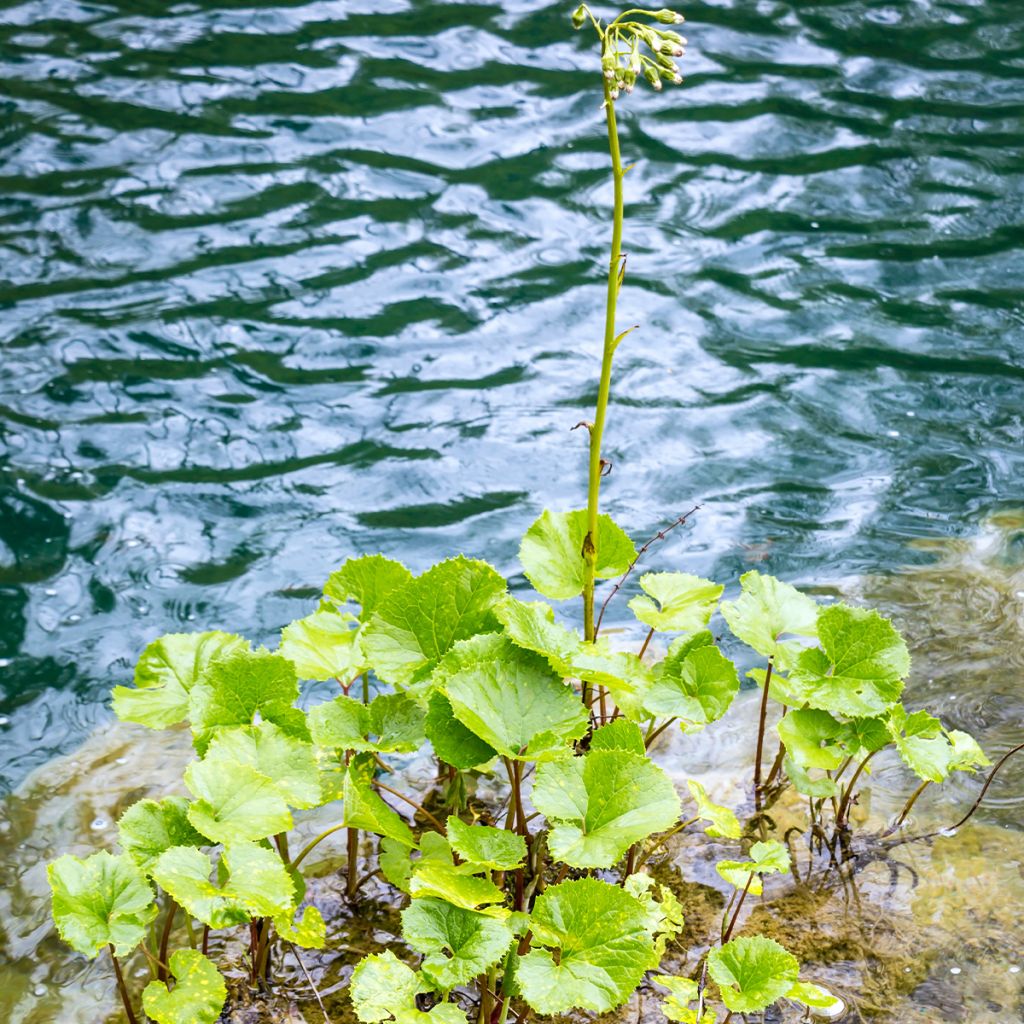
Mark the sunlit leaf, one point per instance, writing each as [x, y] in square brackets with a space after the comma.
[309, 931]
[340, 724]
[165, 674]
[722, 821]
[289, 763]
[531, 624]
[383, 988]
[234, 802]
[921, 743]
[618, 735]
[810, 737]
[552, 552]
[967, 754]
[417, 623]
[149, 827]
[675, 602]
[766, 858]
[695, 682]
[590, 949]
[752, 972]
[860, 667]
[324, 645]
[816, 997]
[366, 580]
[241, 688]
[600, 804]
[365, 809]
[198, 995]
[99, 901]
[511, 699]
[455, 885]
[486, 847]
[682, 992]
[768, 611]
[807, 784]
[457, 944]
[664, 913]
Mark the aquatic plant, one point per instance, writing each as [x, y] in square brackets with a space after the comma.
[549, 909]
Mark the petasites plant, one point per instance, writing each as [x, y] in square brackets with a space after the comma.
[540, 903]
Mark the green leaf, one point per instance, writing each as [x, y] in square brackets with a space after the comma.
[309, 932]
[366, 581]
[288, 762]
[258, 884]
[664, 915]
[766, 858]
[390, 722]
[395, 862]
[805, 783]
[619, 735]
[100, 901]
[810, 736]
[860, 667]
[149, 827]
[418, 623]
[552, 552]
[396, 723]
[324, 645]
[198, 996]
[340, 724]
[921, 744]
[456, 885]
[694, 683]
[862, 736]
[234, 802]
[457, 944]
[722, 821]
[967, 754]
[165, 674]
[365, 809]
[768, 610]
[677, 602]
[816, 997]
[485, 847]
[600, 804]
[601, 945]
[511, 699]
[752, 972]
[239, 687]
[531, 624]
[383, 988]
[682, 992]
[452, 741]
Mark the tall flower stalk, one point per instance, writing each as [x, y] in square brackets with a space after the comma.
[630, 50]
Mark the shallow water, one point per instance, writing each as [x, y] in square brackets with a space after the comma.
[282, 283]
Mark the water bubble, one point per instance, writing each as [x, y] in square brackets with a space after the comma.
[39, 991]
[121, 760]
[1015, 969]
[97, 824]
[4, 720]
[50, 592]
[954, 970]
[892, 433]
[911, 413]
[4, 662]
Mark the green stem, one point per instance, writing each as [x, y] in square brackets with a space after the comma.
[122, 988]
[844, 803]
[604, 388]
[907, 808]
[412, 803]
[314, 843]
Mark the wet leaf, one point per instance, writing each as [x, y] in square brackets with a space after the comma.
[552, 552]
[722, 821]
[417, 623]
[766, 858]
[198, 995]
[99, 901]
[600, 804]
[485, 847]
[590, 949]
[324, 645]
[766, 612]
[166, 673]
[309, 931]
[816, 997]
[664, 914]
[511, 699]
[149, 827]
[457, 944]
[752, 972]
[860, 667]
[676, 602]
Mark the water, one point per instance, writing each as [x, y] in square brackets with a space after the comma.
[284, 283]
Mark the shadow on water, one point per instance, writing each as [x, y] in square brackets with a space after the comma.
[915, 933]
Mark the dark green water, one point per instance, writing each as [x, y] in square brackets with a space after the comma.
[285, 282]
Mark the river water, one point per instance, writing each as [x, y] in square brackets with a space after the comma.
[286, 282]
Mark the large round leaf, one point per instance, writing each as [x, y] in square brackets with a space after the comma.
[752, 972]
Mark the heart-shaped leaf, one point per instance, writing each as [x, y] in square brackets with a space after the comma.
[383, 988]
[766, 612]
[234, 802]
[675, 602]
[766, 858]
[600, 804]
[324, 645]
[695, 683]
[366, 580]
[752, 972]
[99, 901]
[722, 821]
[452, 741]
[552, 552]
[149, 827]
[485, 847]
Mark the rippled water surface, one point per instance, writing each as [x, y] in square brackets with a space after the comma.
[281, 283]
